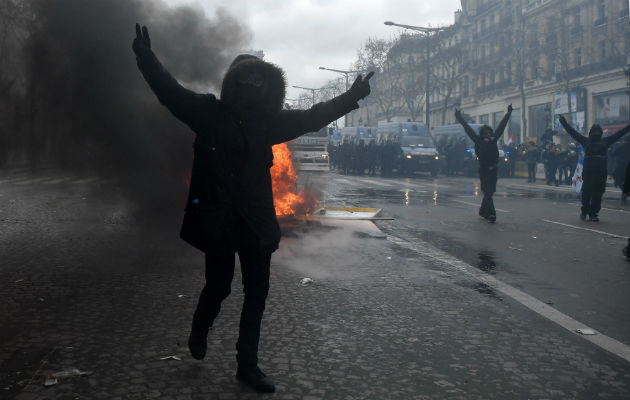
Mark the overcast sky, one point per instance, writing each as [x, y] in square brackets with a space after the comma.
[301, 35]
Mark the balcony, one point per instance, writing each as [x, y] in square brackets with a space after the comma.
[535, 5]
[601, 21]
[595, 68]
[488, 6]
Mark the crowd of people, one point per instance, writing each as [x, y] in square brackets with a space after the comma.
[368, 156]
[356, 157]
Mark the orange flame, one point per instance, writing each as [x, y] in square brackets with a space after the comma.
[286, 199]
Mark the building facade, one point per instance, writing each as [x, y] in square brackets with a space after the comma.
[545, 57]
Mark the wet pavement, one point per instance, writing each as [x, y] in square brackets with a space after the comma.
[89, 284]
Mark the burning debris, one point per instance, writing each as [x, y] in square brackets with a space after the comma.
[287, 200]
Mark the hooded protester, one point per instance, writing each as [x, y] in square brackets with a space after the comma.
[230, 203]
[487, 153]
[595, 172]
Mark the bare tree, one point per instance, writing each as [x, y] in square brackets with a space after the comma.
[447, 71]
[374, 55]
[408, 55]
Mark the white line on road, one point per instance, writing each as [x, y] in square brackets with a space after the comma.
[85, 180]
[616, 210]
[346, 181]
[570, 324]
[584, 229]
[373, 182]
[556, 188]
[477, 205]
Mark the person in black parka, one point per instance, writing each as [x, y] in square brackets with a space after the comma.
[487, 153]
[594, 173]
[230, 205]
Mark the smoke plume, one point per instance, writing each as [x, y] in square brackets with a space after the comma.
[84, 105]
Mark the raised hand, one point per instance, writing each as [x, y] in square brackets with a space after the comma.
[142, 42]
[458, 114]
[562, 120]
[510, 108]
[361, 86]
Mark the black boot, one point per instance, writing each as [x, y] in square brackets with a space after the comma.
[594, 218]
[255, 378]
[197, 342]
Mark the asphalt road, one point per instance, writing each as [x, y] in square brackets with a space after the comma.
[434, 303]
[538, 243]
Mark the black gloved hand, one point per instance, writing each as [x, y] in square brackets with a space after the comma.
[361, 87]
[142, 43]
[562, 120]
[510, 108]
[458, 114]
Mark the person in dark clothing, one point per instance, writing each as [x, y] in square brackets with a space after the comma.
[567, 163]
[620, 153]
[230, 205]
[531, 158]
[551, 161]
[594, 173]
[487, 153]
[625, 193]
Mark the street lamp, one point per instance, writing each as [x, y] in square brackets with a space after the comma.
[427, 34]
[346, 73]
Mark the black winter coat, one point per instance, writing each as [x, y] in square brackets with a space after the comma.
[486, 149]
[595, 148]
[232, 151]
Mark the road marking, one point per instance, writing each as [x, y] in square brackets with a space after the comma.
[373, 182]
[615, 209]
[346, 181]
[585, 229]
[29, 181]
[85, 180]
[558, 188]
[477, 205]
[543, 309]
[56, 181]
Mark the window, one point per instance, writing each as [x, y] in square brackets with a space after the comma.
[601, 10]
[484, 119]
[465, 86]
[577, 18]
[578, 57]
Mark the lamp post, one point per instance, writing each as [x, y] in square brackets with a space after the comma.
[346, 73]
[427, 32]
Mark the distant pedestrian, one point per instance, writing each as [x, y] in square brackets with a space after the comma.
[487, 153]
[595, 172]
[626, 192]
[531, 158]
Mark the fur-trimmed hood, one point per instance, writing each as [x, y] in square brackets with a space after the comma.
[273, 89]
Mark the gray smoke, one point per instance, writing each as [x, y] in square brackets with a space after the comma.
[84, 105]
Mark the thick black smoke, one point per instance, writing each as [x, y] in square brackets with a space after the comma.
[88, 107]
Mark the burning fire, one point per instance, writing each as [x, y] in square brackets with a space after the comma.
[283, 178]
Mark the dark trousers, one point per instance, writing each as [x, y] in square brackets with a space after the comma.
[593, 188]
[488, 179]
[219, 274]
[531, 172]
[552, 169]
